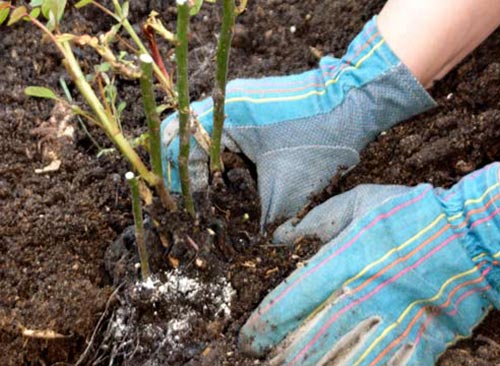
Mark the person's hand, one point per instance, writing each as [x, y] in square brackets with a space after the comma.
[405, 273]
[300, 129]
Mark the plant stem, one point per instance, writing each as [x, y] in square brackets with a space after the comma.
[153, 120]
[219, 94]
[108, 124]
[139, 226]
[181, 54]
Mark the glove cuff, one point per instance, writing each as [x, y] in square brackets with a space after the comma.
[473, 210]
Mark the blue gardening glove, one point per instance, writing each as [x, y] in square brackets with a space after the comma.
[411, 271]
[300, 129]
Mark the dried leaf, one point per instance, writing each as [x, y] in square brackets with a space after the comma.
[41, 334]
[52, 167]
[174, 262]
[145, 193]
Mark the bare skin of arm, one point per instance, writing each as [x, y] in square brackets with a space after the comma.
[433, 36]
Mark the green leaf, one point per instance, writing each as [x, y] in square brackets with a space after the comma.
[34, 3]
[55, 6]
[34, 13]
[51, 23]
[104, 67]
[61, 5]
[47, 6]
[121, 107]
[17, 14]
[82, 3]
[40, 92]
[195, 9]
[4, 11]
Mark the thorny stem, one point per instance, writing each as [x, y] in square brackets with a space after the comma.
[219, 94]
[153, 120]
[181, 54]
[139, 226]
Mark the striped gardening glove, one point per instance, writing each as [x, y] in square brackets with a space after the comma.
[300, 129]
[405, 273]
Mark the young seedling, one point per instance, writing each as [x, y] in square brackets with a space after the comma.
[139, 226]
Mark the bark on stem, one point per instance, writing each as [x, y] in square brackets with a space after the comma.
[139, 226]
[148, 98]
[219, 94]
[181, 55]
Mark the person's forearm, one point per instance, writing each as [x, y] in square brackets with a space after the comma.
[432, 36]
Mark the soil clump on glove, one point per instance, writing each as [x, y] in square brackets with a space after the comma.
[65, 255]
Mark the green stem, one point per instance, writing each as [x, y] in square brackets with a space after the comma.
[181, 55]
[153, 120]
[219, 94]
[152, 117]
[139, 226]
[108, 124]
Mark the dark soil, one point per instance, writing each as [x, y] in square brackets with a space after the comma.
[61, 265]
